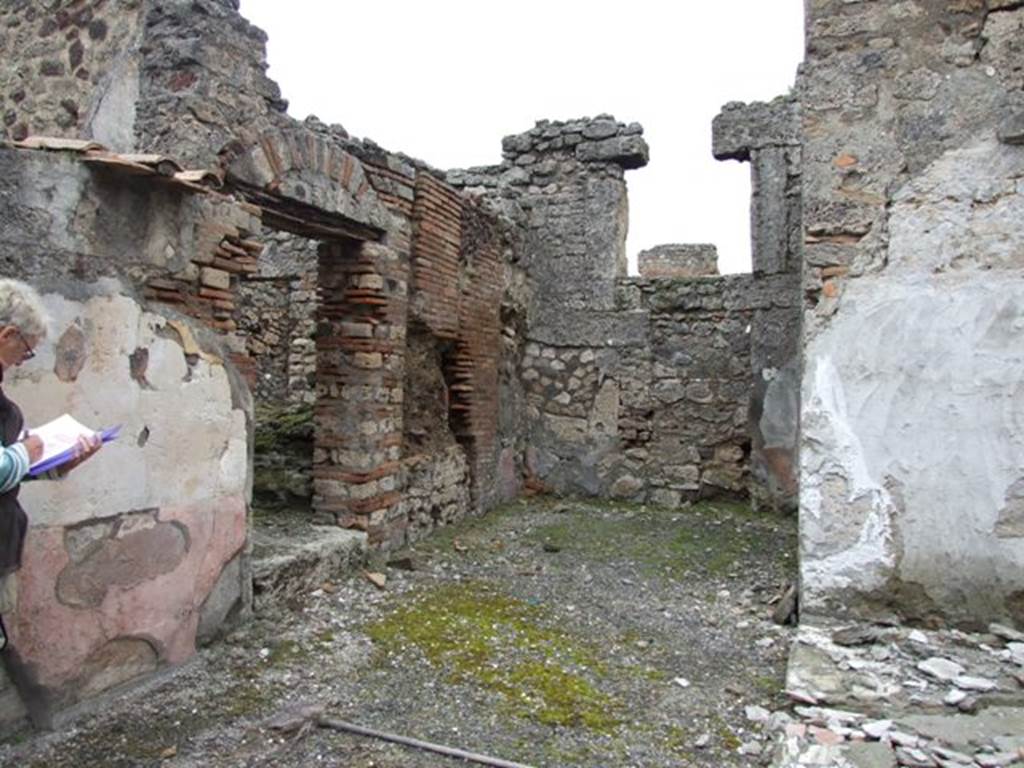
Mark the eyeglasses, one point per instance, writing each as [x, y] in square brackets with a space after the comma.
[29, 352]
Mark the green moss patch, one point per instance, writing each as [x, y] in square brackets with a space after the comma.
[711, 538]
[283, 458]
[484, 637]
[280, 427]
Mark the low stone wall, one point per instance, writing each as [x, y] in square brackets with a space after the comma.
[664, 388]
[436, 490]
[652, 402]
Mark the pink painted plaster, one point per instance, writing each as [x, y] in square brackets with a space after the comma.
[164, 610]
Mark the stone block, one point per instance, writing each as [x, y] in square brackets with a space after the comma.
[600, 129]
[740, 128]
[774, 212]
[367, 360]
[870, 755]
[215, 278]
[629, 152]
[372, 282]
[357, 330]
[663, 497]
[626, 487]
[286, 567]
[679, 260]
[1004, 45]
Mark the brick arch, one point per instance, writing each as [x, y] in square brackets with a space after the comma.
[300, 166]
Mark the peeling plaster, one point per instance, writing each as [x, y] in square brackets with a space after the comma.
[132, 549]
[1010, 524]
[867, 562]
[915, 385]
[133, 474]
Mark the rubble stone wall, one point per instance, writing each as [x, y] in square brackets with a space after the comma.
[176, 77]
[202, 81]
[436, 490]
[643, 389]
[569, 176]
[276, 314]
[68, 69]
[651, 402]
[911, 442]
[140, 554]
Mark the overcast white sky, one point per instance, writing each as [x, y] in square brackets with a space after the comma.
[444, 80]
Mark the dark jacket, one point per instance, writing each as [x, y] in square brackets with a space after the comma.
[13, 520]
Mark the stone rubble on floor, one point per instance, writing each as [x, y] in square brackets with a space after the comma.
[870, 696]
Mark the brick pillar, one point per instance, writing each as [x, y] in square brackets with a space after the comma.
[474, 393]
[360, 370]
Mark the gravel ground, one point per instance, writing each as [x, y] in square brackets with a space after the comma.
[550, 633]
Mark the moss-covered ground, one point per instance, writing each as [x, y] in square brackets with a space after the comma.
[550, 632]
[480, 635]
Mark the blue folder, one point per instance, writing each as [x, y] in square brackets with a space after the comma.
[64, 457]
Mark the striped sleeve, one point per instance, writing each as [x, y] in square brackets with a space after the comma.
[13, 466]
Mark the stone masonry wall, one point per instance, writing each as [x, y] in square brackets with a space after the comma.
[177, 77]
[202, 81]
[437, 491]
[450, 257]
[263, 318]
[459, 274]
[641, 389]
[276, 313]
[767, 135]
[66, 70]
[564, 183]
[191, 83]
[569, 177]
[912, 444]
[660, 415]
[141, 554]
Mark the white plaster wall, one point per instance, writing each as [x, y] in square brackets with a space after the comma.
[196, 446]
[912, 436]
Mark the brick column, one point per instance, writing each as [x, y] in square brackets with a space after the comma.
[474, 391]
[360, 370]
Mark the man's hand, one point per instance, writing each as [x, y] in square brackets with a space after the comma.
[84, 448]
[34, 445]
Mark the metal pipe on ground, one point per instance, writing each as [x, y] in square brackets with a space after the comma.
[474, 757]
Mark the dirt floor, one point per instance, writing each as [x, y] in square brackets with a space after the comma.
[550, 633]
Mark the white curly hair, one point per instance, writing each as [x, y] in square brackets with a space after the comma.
[21, 307]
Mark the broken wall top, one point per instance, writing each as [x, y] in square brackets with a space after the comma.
[740, 128]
